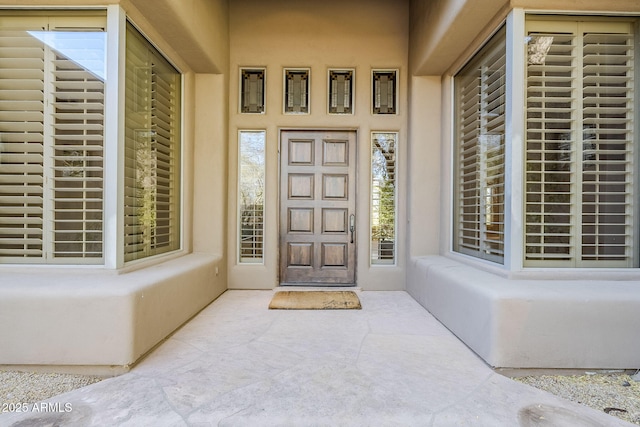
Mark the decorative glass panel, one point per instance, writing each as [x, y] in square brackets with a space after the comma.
[384, 91]
[252, 93]
[383, 197]
[296, 91]
[251, 195]
[341, 84]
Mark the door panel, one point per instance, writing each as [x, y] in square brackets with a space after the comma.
[317, 199]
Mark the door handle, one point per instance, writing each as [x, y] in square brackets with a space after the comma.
[352, 225]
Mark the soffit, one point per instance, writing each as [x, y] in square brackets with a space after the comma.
[441, 30]
[197, 29]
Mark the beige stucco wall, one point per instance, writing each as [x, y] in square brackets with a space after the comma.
[360, 34]
[425, 165]
[101, 320]
[518, 319]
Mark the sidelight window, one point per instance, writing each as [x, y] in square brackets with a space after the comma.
[383, 197]
[251, 195]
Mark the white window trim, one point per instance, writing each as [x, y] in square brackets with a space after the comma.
[515, 134]
[114, 132]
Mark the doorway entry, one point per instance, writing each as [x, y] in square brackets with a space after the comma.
[317, 207]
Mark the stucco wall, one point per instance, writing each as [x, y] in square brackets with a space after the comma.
[360, 34]
[532, 324]
[103, 320]
[425, 165]
[98, 321]
[517, 318]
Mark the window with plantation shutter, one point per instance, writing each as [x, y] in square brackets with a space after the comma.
[579, 144]
[51, 138]
[479, 132]
[152, 151]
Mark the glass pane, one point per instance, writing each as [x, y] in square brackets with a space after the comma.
[251, 195]
[550, 147]
[296, 92]
[51, 138]
[383, 198]
[607, 142]
[384, 91]
[480, 144]
[579, 147]
[152, 151]
[252, 91]
[341, 91]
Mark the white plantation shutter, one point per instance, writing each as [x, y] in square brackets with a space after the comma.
[549, 176]
[152, 151]
[77, 178]
[607, 105]
[21, 143]
[165, 124]
[480, 108]
[51, 143]
[579, 149]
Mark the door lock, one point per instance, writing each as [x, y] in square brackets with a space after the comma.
[352, 225]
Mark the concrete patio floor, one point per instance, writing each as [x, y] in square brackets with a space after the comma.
[239, 364]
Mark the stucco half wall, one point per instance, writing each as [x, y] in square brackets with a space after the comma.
[512, 323]
[100, 322]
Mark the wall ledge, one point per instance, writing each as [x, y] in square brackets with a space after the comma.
[100, 322]
[532, 324]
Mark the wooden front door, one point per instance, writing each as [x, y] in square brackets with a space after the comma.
[317, 207]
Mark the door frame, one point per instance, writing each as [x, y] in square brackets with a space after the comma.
[356, 133]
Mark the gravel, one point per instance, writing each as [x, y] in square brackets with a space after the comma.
[614, 393]
[18, 388]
